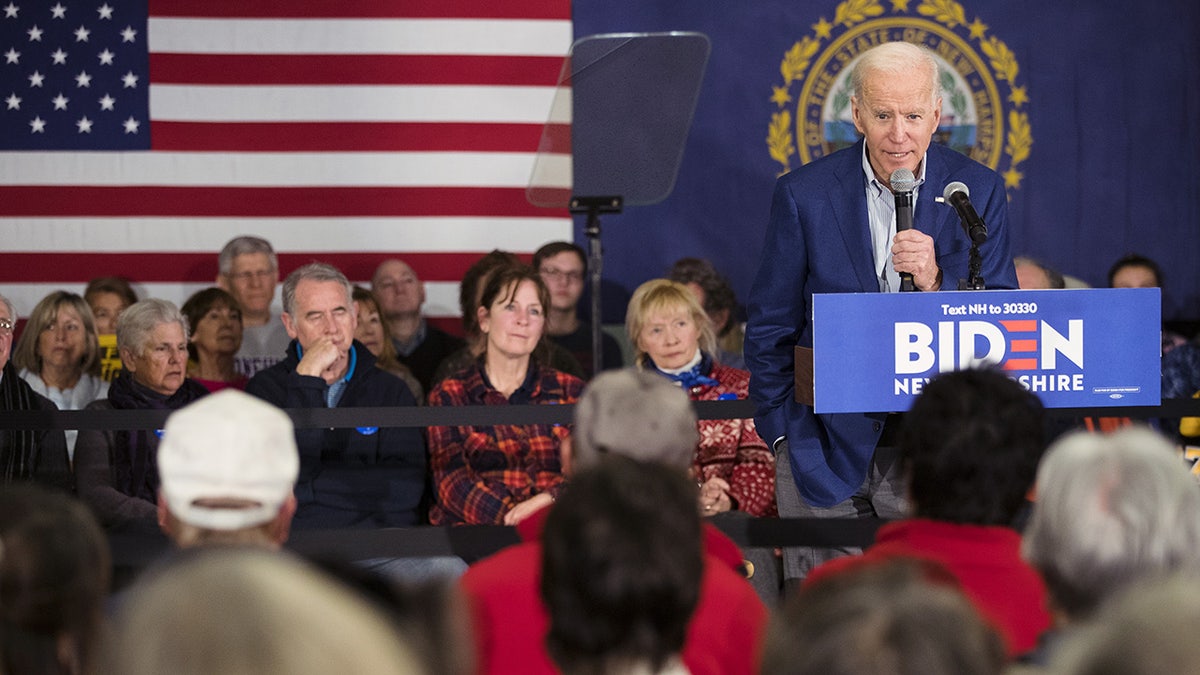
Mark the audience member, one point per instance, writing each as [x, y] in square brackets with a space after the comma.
[54, 576]
[893, 617]
[416, 344]
[249, 271]
[644, 417]
[239, 611]
[715, 294]
[622, 564]
[501, 474]
[59, 355]
[1033, 274]
[674, 338]
[1181, 379]
[227, 464]
[969, 448]
[430, 615]
[1134, 271]
[116, 471]
[349, 477]
[563, 267]
[1138, 271]
[1144, 631]
[375, 335]
[470, 292]
[108, 297]
[215, 320]
[38, 455]
[1111, 510]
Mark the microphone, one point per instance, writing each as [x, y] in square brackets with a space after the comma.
[902, 182]
[958, 196]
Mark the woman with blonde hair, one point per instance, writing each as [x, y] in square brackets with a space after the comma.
[59, 355]
[673, 336]
[375, 335]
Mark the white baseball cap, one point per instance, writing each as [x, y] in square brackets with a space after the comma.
[229, 445]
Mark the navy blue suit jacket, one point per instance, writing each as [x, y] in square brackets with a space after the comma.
[819, 241]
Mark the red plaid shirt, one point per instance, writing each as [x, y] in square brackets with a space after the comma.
[479, 473]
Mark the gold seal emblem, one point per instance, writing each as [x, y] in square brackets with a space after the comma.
[983, 104]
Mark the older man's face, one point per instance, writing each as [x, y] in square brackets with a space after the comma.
[898, 115]
[323, 312]
[397, 289]
[252, 282]
[7, 323]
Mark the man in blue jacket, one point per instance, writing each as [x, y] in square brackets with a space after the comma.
[349, 477]
[832, 230]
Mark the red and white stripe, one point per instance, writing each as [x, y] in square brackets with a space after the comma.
[342, 131]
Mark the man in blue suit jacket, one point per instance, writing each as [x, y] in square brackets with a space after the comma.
[832, 230]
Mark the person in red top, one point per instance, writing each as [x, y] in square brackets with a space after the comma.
[969, 448]
[674, 339]
[643, 416]
[501, 474]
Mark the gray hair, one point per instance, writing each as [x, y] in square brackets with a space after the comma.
[1137, 633]
[141, 318]
[894, 58]
[1111, 510]
[640, 415]
[313, 272]
[244, 245]
[12, 311]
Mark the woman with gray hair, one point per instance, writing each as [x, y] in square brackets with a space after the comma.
[1111, 511]
[115, 471]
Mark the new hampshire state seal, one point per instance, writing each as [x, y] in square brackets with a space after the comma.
[983, 102]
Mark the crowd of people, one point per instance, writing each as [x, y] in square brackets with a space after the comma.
[1009, 546]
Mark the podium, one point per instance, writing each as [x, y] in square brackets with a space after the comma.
[874, 352]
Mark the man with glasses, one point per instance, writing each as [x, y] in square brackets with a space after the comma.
[249, 271]
[563, 268]
[27, 454]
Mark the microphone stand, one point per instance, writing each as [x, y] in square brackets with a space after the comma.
[974, 280]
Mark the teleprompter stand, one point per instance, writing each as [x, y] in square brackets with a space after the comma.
[631, 100]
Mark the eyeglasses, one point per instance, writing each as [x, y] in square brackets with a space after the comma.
[6, 327]
[556, 274]
[245, 277]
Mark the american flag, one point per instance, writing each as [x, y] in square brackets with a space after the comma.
[138, 137]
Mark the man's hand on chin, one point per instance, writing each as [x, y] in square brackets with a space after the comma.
[321, 359]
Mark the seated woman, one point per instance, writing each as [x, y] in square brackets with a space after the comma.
[27, 454]
[59, 355]
[115, 470]
[474, 280]
[673, 336]
[216, 322]
[375, 335]
[501, 474]
[108, 297]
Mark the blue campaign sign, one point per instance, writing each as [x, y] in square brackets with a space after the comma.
[874, 352]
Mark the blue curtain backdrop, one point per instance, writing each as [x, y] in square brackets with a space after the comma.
[1113, 108]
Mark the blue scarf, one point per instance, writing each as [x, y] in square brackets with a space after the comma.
[695, 377]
